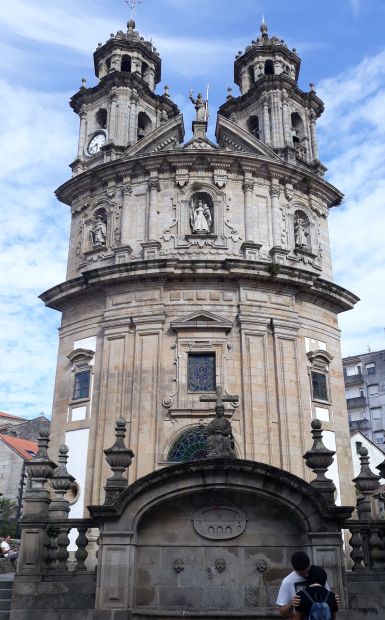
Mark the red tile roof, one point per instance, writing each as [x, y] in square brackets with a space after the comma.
[9, 416]
[26, 449]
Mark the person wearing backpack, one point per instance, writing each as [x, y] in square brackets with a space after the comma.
[316, 601]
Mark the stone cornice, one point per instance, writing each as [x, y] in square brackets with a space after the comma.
[304, 284]
[260, 166]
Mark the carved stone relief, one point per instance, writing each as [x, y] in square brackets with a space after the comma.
[220, 522]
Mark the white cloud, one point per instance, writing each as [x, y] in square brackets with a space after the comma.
[352, 133]
[38, 141]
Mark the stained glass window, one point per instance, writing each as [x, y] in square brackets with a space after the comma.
[82, 385]
[191, 446]
[201, 372]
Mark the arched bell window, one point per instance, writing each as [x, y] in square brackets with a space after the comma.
[126, 64]
[269, 67]
[144, 125]
[253, 126]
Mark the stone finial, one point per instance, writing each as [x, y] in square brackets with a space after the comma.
[119, 458]
[84, 83]
[366, 483]
[40, 468]
[263, 27]
[319, 459]
[229, 93]
[166, 90]
[61, 483]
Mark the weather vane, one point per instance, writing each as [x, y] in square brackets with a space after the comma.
[133, 4]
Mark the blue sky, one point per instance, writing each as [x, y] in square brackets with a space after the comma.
[46, 48]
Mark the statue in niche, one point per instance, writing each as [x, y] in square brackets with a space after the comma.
[99, 232]
[300, 233]
[201, 107]
[220, 440]
[201, 218]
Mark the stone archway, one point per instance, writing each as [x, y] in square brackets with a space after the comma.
[211, 537]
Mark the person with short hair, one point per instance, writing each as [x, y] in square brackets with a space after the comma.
[315, 592]
[287, 597]
[6, 550]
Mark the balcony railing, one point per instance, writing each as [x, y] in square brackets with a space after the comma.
[354, 379]
[354, 403]
[359, 425]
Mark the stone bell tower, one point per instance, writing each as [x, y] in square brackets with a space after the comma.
[197, 269]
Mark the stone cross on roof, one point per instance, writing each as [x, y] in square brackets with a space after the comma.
[133, 4]
[220, 398]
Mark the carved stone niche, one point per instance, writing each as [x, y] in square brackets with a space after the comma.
[200, 216]
[100, 228]
[303, 237]
[220, 522]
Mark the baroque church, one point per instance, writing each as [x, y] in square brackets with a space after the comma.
[196, 266]
[199, 359]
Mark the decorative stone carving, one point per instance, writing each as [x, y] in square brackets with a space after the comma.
[201, 107]
[220, 440]
[178, 565]
[220, 565]
[200, 218]
[119, 458]
[99, 233]
[366, 483]
[261, 565]
[220, 522]
[300, 233]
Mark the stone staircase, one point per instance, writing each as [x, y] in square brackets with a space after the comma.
[6, 585]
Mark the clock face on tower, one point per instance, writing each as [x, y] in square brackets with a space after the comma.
[96, 143]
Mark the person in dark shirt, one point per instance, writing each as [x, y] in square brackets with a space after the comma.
[316, 589]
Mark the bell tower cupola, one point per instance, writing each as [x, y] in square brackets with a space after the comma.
[272, 107]
[123, 107]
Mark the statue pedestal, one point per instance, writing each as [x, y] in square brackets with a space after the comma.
[199, 129]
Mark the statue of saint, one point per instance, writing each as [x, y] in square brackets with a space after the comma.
[201, 107]
[201, 218]
[99, 232]
[220, 440]
[300, 234]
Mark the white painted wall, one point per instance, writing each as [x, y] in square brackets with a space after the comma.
[329, 440]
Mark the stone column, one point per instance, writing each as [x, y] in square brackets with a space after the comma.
[266, 120]
[112, 133]
[313, 135]
[275, 213]
[151, 78]
[285, 119]
[248, 187]
[133, 119]
[82, 130]
[245, 82]
[154, 188]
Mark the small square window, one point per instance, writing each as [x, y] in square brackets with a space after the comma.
[378, 437]
[82, 385]
[373, 390]
[201, 372]
[319, 386]
[371, 368]
[376, 413]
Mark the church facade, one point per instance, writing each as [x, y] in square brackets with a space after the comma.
[196, 269]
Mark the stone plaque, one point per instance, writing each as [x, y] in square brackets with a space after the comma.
[220, 522]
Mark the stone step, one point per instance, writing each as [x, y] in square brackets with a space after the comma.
[4, 615]
[6, 584]
[5, 593]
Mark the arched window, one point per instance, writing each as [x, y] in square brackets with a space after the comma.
[144, 70]
[126, 64]
[302, 237]
[251, 73]
[253, 126]
[144, 125]
[190, 446]
[297, 128]
[269, 67]
[101, 118]
[108, 63]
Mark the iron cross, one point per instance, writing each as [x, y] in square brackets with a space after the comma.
[220, 398]
[133, 4]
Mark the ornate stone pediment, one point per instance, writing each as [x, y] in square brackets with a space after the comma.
[233, 138]
[202, 320]
[167, 137]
